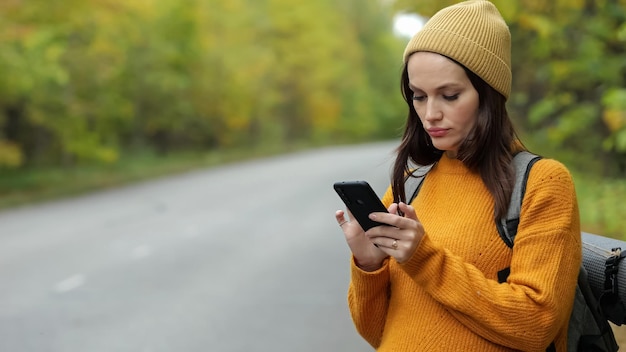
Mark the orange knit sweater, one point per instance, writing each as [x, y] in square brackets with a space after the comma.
[447, 297]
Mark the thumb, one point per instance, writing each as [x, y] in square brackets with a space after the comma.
[393, 208]
[407, 210]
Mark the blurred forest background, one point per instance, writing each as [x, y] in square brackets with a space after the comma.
[95, 93]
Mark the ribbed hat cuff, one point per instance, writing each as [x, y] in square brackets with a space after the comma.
[476, 58]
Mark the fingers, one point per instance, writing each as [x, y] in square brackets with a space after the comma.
[407, 210]
[392, 219]
[366, 254]
[400, 248]
[386, 242]
[401, 237]
[393, 208]
[340, 217]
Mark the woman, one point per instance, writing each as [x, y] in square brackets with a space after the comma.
[428, 281]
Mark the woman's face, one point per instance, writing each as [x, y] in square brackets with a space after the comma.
[444, 98]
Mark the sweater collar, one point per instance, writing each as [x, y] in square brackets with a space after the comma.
[451, 165]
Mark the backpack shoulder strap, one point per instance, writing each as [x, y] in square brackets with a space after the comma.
[413, 182]
[507, 226]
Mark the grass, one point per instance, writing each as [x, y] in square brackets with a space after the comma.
[21, 187]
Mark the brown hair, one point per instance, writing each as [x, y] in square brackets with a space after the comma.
[488, 149]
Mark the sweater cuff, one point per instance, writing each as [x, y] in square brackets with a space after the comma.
[369, 281]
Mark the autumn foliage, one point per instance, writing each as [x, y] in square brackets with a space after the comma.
[86, 81]
[89, 80]
[569, 77]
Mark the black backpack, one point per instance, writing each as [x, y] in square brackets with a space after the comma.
[599, 296]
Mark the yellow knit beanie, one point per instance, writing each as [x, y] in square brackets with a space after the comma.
[474, 34]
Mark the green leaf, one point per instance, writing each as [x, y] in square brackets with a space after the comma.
[542, 110]
[621, 33]
[615, 98]
[620, 141]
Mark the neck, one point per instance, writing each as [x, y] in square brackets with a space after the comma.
[451, 154]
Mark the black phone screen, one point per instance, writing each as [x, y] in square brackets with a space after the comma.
[361, 200]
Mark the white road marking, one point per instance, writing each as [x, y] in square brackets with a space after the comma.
[71, 283]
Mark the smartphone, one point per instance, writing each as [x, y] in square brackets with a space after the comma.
[361, 200]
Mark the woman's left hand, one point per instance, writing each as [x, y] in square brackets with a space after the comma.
[402, 236]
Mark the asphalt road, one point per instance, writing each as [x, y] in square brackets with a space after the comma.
[245, 257]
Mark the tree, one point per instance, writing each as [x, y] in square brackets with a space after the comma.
[88, 81]
[569, 76]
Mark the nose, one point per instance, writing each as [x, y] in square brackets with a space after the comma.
[432, 111]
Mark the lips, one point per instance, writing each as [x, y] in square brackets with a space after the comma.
[437, 132]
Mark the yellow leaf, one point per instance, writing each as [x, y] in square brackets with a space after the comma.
[107, 155]
[614, 119]
[540, 24]
[10, 155]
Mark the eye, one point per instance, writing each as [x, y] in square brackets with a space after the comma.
[418, 97]
[451, 97]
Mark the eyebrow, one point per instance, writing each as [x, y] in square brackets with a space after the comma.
[441, 87]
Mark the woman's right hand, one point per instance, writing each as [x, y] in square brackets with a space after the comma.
[367, 256]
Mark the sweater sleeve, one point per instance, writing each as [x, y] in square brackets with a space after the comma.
[529, 310]
[368, 299]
